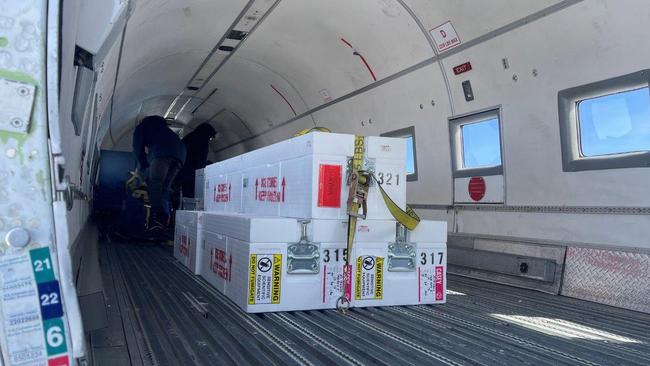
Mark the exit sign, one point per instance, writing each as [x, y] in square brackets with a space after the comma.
[462, 68]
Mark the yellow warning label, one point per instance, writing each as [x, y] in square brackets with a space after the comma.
[252, 279]
[277, 279]
[379, 278]
[369, 278]
[357, 279]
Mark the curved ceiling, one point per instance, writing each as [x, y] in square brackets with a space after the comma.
[299, 55]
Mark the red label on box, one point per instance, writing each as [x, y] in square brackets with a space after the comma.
[185, 245]
[267, 189]
[58, 361]
[329, 186]
[220, 264]
[440, 284]
[222, 192]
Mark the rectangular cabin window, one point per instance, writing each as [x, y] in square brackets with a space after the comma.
[615, 124]
[410, 155]
[606, 124]
[481, 144]
[476, 144]
[407, 133]
[84, 87]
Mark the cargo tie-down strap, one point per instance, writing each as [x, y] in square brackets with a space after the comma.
[311, 129]
[360, 181]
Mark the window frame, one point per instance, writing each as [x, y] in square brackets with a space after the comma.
[456, 142]
[406, 132]
[568, 99]
[84, 88]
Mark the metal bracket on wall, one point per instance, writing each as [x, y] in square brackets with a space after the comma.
[540, 269]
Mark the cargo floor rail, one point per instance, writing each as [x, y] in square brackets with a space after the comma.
[482, 324]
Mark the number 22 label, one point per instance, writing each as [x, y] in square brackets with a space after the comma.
[49, 295]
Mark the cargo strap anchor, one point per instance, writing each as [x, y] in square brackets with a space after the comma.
[401, 253]
[302, 257]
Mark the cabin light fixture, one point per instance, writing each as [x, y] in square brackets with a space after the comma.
[237, 35]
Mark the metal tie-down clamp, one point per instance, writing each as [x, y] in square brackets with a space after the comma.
[303, 256]
[401, 253]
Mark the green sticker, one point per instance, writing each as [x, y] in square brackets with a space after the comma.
[55, 336]
[42, 264]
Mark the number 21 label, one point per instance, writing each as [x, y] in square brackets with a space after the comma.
[42, 265]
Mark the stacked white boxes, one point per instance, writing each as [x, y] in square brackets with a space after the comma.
[273, 236]
[248, 258]
[188, 238]
[305, 177]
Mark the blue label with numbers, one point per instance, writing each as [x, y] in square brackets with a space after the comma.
[49, 296]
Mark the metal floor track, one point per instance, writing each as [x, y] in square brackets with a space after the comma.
[482, 324]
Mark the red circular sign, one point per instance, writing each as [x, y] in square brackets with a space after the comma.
[476, 188]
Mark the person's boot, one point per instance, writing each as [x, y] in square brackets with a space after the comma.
[156, 229]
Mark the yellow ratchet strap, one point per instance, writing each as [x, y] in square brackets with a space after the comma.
[354, 204]
[312, 129]
[408, 218]
[359, 182]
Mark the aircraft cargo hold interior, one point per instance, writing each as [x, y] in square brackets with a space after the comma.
[324, 182]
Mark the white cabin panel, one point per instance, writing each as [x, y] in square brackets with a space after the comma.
[472, 19]
[527, 93]
[312, 44]
[565, 229]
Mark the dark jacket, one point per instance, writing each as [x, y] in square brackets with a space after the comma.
[197, 144]
[160, 141]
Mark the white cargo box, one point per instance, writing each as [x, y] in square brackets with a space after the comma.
[305, 177]
[246, 258]
[187, 237]
[376, 281]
